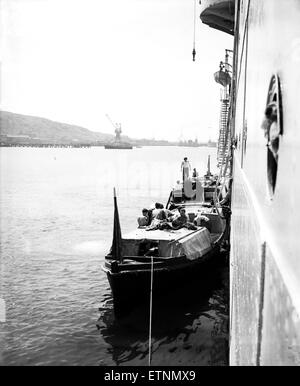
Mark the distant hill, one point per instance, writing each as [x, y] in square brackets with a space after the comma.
[19, 130]
[45, 130]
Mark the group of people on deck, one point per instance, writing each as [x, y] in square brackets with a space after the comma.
[152, 217]
[160, 218]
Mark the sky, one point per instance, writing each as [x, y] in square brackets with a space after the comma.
[75, 61]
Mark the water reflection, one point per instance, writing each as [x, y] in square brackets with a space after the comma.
[189, 326]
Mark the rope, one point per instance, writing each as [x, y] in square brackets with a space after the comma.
[261, 303]
[243, 44]
[194, 40]
[150, 318]
[194, 23]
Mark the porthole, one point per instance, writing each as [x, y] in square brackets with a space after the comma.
[272, 126]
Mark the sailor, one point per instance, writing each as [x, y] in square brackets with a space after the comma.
[185, 168]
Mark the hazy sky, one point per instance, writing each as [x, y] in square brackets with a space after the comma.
[77, 60]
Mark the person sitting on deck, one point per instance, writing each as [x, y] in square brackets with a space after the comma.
[157, 209]
[181, 221]
[202, 221]
[178, 185]
[158, 220]
[143, 221]
[177, 192]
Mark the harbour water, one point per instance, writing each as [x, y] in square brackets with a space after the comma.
[56, 226]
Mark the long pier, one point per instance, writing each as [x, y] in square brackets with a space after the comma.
[49, 145]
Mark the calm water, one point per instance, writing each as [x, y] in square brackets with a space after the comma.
[56, 226]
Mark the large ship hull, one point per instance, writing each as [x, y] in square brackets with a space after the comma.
[265, 265]
[264, 257]
[264, 315]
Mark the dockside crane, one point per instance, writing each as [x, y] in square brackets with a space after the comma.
[117, 126]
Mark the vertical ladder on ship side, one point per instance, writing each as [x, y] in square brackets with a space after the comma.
[223, 143]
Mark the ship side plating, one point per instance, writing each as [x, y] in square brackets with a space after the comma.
[264, 125]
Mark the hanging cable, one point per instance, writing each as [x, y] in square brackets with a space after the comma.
[194, 42]
[150, 317]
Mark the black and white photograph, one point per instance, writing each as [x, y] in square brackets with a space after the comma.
[148, 185]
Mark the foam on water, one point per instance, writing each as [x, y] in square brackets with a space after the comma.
[92, 247]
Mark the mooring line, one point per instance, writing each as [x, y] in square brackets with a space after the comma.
[150, 318]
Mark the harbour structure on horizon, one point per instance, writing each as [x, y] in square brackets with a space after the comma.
[189, 143]
[196, 143]
[261, 149]
[117, 143]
